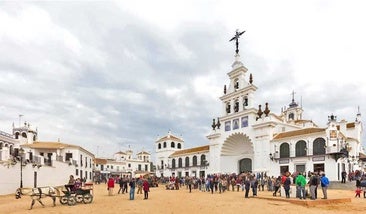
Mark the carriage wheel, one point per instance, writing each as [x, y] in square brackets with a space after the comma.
[79, 198]
[63, 200]
[87, 198]
[71, 201]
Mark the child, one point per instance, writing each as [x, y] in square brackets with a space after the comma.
[358, 192]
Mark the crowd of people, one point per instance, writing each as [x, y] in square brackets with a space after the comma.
[255, 182]
[295, 185]
[126, 182]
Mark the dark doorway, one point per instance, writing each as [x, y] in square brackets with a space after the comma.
[319, 167]
[245, 165]
[283, 169]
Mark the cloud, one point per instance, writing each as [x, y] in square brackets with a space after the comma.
[105, 75]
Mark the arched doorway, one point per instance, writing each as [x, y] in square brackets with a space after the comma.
[237, 154]
[245, 165]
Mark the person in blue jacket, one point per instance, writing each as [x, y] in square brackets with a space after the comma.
[324, 182]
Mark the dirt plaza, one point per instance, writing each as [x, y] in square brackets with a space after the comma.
[181, 201]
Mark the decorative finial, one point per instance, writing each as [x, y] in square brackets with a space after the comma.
[260, 111]
[250, 78]
[213, 124]
[224, 89]
[266, 110]
[218, 124]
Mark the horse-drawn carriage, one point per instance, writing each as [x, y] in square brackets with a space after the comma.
[69, 197]
[77, 195]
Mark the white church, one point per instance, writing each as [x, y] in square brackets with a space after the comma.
[247, 137]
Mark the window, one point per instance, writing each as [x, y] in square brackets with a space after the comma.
[194, 160]
[180, 162]
[187, 162]
[300, 148]
[24, 135]
[172, 145]
[17, 135]
[291, 116]
[164, 145]
[245, 102]
[319, 146]
[173, 163]
[76, 172]
[146, 168]
[284, 150]
[129, 165]
[203, 160]
[159, 146]
[236, 106]
[68, 156]
[179, 146]
[139, 167]
[81, 160]
[228, 108]
[236, 86]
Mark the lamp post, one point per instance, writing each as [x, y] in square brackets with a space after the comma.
[21, 152]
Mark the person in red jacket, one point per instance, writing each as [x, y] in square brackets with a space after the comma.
[145, 186]
[110, 186]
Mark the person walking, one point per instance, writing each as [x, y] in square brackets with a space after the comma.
[286, 186]
[344, 175]
[247, 187]
[120, 182]
[324, 182]
[189, 183]
[132, 189]
[139, 185]
[358, 192]
[300, 184]
[277, 185]
[110, 186]
[146, 189]
[126, 181]
[313, 183]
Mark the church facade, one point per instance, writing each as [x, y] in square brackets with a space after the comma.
[246, 137]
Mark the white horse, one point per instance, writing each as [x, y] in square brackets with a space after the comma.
[37, 193]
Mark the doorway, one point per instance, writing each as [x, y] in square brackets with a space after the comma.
[319, 167]
[245, 165]
[283, 169]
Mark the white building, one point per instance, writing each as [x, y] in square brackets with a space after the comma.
[43, 163]
[123, 164]
[173, 160]
[249, 138]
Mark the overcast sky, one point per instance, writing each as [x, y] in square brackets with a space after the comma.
[108, 74]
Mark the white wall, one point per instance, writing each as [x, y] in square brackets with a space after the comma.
[10, 177]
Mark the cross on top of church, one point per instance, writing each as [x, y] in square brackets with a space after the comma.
[293, 95]
[236, 38]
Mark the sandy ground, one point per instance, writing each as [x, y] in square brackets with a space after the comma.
[181, 201]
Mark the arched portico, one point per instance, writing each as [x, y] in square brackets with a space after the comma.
[237, 154]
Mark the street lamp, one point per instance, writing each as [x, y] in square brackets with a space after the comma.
[21, 152]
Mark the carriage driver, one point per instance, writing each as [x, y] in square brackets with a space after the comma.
[70, 185]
